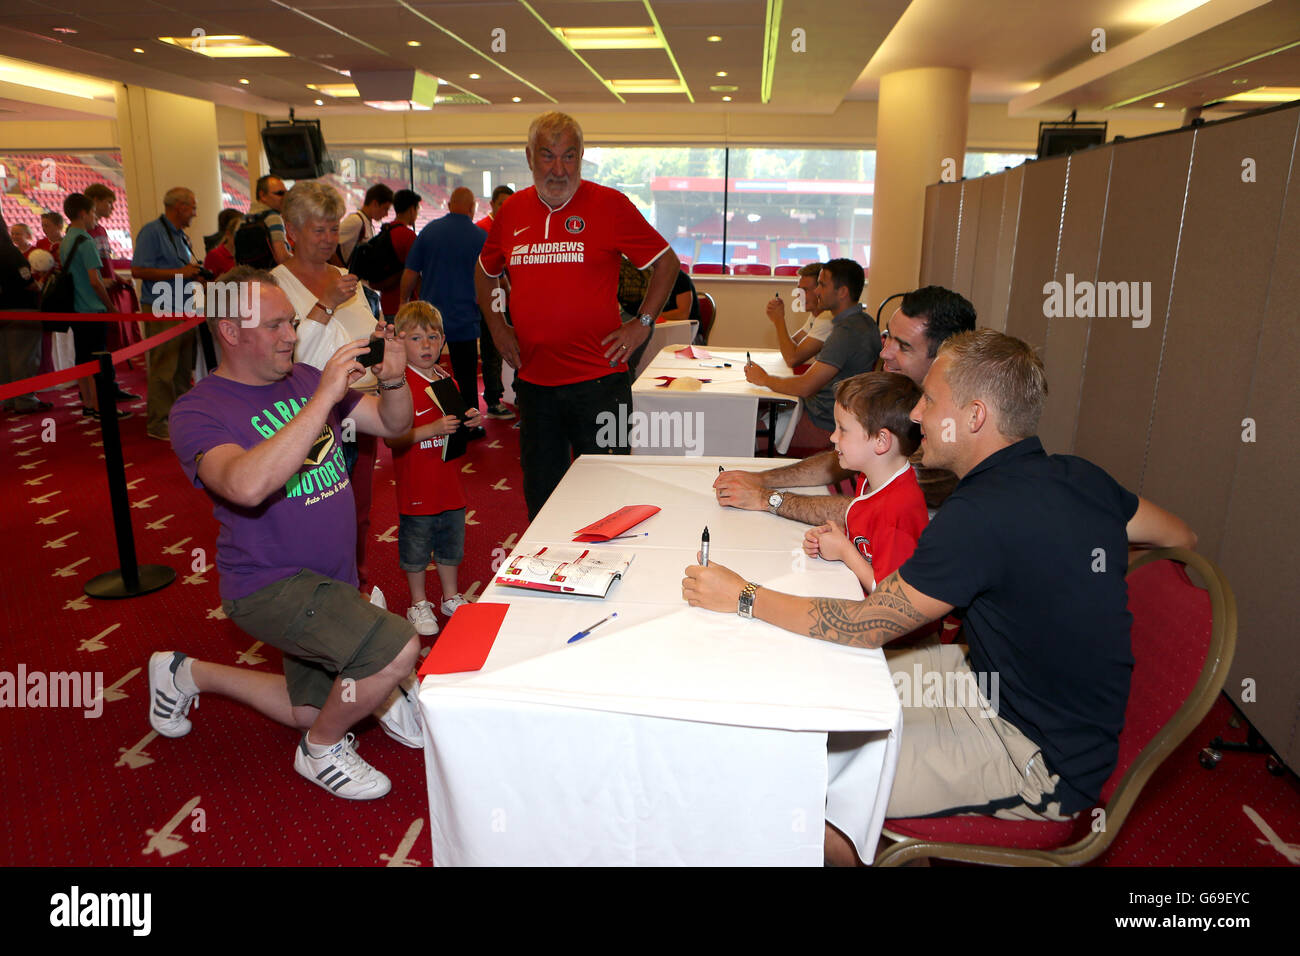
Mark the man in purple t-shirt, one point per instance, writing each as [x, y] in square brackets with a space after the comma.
[261, 436]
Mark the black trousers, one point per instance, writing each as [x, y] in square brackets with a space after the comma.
[464, 367]
[559, 423]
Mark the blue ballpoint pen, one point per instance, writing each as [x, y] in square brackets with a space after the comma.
[581, 634]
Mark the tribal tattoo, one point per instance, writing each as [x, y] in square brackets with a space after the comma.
[814, 509]
[883, 616]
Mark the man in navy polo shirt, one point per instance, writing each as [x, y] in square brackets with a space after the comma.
[1033, 549]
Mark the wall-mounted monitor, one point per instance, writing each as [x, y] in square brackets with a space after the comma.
[296, 150]
[1055, 139]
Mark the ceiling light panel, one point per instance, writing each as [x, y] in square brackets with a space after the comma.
[224, 46]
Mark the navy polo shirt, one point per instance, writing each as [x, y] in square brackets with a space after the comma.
[1034, 548]
[445, 254]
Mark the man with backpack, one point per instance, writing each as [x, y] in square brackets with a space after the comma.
[359, 226]
[260, 240]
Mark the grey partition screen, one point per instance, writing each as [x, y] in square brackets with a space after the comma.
[1173, 355]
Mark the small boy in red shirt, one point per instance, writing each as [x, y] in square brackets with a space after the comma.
[874, 435]
[430, 500]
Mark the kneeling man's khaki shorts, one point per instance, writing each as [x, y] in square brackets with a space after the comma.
[326, 629]
[957, 755]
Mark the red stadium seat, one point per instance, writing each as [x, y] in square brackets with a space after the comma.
[710, 269]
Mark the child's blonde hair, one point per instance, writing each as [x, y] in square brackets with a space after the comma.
[418, 314]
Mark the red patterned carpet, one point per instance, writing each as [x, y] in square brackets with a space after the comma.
[106, 791]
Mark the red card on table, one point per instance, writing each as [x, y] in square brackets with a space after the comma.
[466, 641]
[693, 351]
[612, 525]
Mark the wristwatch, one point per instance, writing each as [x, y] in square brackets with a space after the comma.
[324, 308]
[774, 501]
[745, 607]
[646, 319]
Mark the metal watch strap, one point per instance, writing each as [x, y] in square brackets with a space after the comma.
[396, 385]
[745, 605]
[775, 507]
[646, 319]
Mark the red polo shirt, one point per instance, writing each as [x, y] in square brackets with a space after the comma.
[564, 277]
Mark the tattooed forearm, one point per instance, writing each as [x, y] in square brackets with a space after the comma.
[885, 615]
[814, 509]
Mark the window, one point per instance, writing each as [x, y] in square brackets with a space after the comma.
[979, 163]
[791, 206]
[34, 183]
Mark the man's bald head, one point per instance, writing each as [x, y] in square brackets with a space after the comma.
[461, 201]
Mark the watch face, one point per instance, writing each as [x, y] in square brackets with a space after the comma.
[774, 500]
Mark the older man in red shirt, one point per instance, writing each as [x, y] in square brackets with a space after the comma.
[562, 240]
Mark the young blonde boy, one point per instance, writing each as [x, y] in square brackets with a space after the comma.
[874, 435]
[430, 500]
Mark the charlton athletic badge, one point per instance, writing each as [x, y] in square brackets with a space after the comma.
[575, 224]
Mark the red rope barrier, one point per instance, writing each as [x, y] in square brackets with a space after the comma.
[50, 379]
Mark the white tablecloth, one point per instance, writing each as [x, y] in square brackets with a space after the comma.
[671, 735]
[719, 419]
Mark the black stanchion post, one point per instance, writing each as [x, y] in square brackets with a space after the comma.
[130, 579]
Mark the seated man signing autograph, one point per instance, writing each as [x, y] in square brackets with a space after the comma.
[1033, 549]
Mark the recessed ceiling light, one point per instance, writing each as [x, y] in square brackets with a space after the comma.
[1158, 106]
[63, 30]
[220, 47]
[714, 39]
[515, 99]
[475, 76]
[320, 102]
[334, 89]
[647, 86]
[611, 38]
[726, 99]
[1267, 94]
[723, 88]
[1240, 81]
[721, 73]
[412, 42]
[244, 80]
[137, 50]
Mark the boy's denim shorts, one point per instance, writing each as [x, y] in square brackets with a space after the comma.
[441, 535]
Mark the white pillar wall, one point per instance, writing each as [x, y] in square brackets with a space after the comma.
[921, 123]
[167, 141]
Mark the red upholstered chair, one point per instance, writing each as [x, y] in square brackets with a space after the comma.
[708, 312]
[710, 269]
[786, 270]
[753, 269]
[1183, 639]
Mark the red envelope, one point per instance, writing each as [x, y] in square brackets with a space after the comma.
[612, 525]
[466, 641]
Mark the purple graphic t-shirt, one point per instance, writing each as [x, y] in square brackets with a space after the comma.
[310, 522]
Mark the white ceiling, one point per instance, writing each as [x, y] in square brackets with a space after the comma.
[1038, 56]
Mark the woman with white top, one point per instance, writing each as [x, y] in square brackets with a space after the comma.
[332, 311]
[331, 307]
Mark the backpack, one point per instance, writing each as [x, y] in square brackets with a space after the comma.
[375, 260]
[60, 292]
[253, 242]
